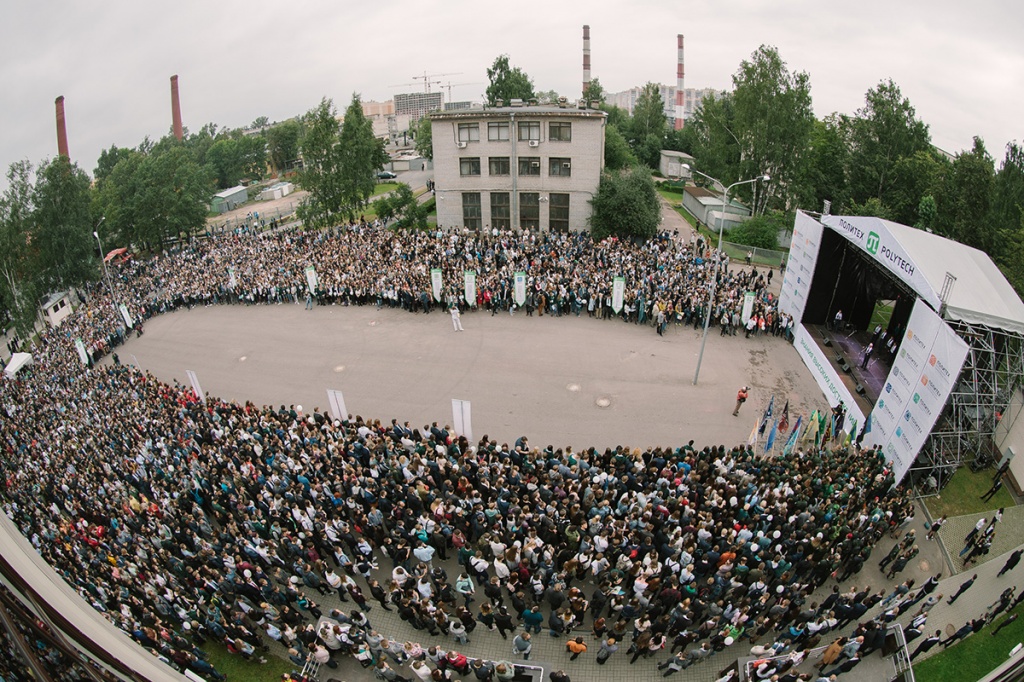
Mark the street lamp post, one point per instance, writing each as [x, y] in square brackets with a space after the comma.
[106, 274]
[718, 256]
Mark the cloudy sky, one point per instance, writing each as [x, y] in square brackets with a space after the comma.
[961, 64]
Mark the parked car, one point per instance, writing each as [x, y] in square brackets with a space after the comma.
[386, 175]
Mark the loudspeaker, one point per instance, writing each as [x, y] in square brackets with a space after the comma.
[845, 367]
[840, 360]
[859, 389]
[827, 342]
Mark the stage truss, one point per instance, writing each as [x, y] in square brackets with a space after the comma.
[963, 434]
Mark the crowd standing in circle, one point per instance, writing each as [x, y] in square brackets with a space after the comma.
[182, 522]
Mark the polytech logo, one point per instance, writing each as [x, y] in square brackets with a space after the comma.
[874, 241]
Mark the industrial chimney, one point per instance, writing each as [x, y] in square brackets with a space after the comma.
[680, 90]
[586, 58]
[175, 107]
[62, 131]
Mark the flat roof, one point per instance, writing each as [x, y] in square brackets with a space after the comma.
[504, 112]
[230, 192]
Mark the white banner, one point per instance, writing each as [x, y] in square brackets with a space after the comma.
[231, 278]
[873, 236]
[915, 392]
[194, 380]
[125, 315]
[748, 306]
[828, 380]
[469, 288]
[336, 401]
[82, 355]
[803, 257]
[462, 418]
[618, 291]
[311, 278]
[520, 288]
[436, 283]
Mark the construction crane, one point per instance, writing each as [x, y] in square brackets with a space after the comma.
[451, 85]
[427, 82]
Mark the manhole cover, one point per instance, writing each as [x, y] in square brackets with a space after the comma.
[925, 566]
[575, 388]
[602, 402]
[339, 368]
[243, 358]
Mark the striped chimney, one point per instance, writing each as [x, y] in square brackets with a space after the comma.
[175, 107]
[680, 90]
[586, 57]
[62, 130]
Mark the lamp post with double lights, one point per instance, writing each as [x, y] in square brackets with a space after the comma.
[718, 256]
[106, 273]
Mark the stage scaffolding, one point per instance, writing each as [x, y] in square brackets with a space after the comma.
[963, 434]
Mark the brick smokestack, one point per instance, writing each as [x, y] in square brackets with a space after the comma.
[175, 107]
[62, 130]
[586, 57]
[680, 89]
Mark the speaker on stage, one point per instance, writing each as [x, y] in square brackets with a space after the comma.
[840, 360]
[846, 368]
[859, 389]
[827, 341]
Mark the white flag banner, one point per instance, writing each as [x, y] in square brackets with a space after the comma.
[748, 305]
[311, 278]
[126, 315]
[436, 283]
[231, 278]
[470, 287]
[462, 418]
[82, 355]
[337, 404]
[520, 288]
[618, 291]
[194, 380]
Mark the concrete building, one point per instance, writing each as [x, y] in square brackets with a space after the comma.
[229, 199]
[57, 307]
[418, 104]
[517, 167]
[706, 207]
[372, 108]
[672, 162]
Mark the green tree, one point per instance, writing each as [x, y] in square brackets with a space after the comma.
[108, 159]
[649, 125]
[626, 205]
[546, 95]
[283, 144]
[617, 154]
[927, 210]
[914, 177]
[507, 83]
[321, 173]
[761, 231]
[1008, 215]
[62, 250]
[423, 134]
[260, 122]
[17, 288]
[773, 123]
[594, 92]
[716, 148]
[222, 161]
[885, 130]
[824, 171]
[402, 207]
[361, 157]
[966, 213]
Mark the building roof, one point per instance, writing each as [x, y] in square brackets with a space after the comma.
[504, 112]
[981, 294]
[230, 192]
[677, 155]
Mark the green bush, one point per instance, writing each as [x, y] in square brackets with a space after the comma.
[761, 231]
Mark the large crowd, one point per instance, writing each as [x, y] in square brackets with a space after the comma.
[183, 522]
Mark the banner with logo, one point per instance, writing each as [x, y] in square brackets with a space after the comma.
[82, 355]
[748, 306]
[436, 283]
[125, 315]
[873, 236]
[520, 288]
[826, 377]
[618, 291]
[926, 367]
[469, 287]
[231, 278]
[194, 380]
[462, 418]
[311, 278]
[803, 257]
[336, 402]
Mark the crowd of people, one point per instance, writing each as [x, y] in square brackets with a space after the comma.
[183, 522]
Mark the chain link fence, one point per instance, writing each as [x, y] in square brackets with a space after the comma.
[757, 256]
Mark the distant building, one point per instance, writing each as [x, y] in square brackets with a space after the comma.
[517, 167]
[706, 206]
[418, 104]
[458, 106]
[672, 162]
[692, 98]
[372, 108]
[229, 199]
[57, 307]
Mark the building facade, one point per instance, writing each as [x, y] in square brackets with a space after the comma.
[529, 167]
[692, 99]
[418, 104]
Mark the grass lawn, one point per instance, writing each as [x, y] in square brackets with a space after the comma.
[237, 668]
[881, 314]
[384, 188]
[974, 657]
[963, 492]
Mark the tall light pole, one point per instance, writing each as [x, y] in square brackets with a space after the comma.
[718, 256]
[106, 274]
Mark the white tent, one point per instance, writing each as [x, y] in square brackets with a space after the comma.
[18, 361]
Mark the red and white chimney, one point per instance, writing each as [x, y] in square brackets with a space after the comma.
[680, 89]
[62, 130]
[175, 107]
[586, 57]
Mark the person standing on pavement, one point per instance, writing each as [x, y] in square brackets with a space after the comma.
[741, 397]
[456, 318]
[521, 645]
[964, 586]
[608, 647]
[1011, 562]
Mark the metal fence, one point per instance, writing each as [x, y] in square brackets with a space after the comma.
[758, 256]
[277, 213]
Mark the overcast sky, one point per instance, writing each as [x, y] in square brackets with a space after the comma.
[961, 64]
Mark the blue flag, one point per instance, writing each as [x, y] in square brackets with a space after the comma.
[793, 437]
[766, 417]
[771, 437]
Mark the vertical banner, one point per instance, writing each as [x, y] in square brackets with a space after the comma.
[462, 418]
[748, 306]
[618, 291]
[803, 259]
[520, 288]
[337, 405]
[126, 315]
[311, 278]
[194, 380]
[82, 355]
[469, 288]
[436, 283]
[231, 278]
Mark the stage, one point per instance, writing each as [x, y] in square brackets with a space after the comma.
[846, 349]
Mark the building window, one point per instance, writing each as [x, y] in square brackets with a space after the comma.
[529, 210]
[497, 132]
[469, 166]
[500, 165]
[529, 165]
[559, 166]
[471, 210]
[501, 210]
[529, 130]
[558, 216]
[469, 132]
[560, 132]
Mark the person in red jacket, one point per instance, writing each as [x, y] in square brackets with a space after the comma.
[741, 397]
